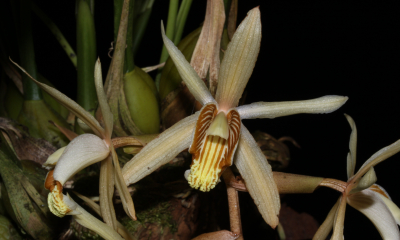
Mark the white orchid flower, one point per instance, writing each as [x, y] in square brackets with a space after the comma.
[81, 152]
[364, 195]
[215, 132]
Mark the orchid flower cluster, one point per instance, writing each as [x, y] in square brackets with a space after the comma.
[216, 138]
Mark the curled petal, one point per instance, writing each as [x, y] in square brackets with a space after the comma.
[325, 104]
[372, 206]
[366, 181]
[378, 157]
[239, 60]
[193, 82]
[80, 153]
[160, 151]
[327, 225]
[257, 173]
[351, 158]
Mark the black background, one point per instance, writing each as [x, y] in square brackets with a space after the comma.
[309, 49]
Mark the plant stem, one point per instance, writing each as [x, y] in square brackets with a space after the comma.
[129, 59]
[57, 33]
[27, 52]
[233, 202]
[173, 9]
[86, 45]
[181, 20]
[141, 21]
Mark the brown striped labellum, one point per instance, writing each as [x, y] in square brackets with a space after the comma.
[214, 143]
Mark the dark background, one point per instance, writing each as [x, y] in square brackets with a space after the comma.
[309, 49]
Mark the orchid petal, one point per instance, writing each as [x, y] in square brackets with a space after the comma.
[87, 220]
[161, 150]
[53, 159]
[378, 157]
[106, 192]
[394, 209]
[339, 220]
[239, 60]
[366, 181]
[194, 83]
[257, 173]
[351, 158]
[327, 225]
[81, 152]
[101, 95]
[72, 106]
[325, 104]
[221, 235]
[372, 206]
[126, 198]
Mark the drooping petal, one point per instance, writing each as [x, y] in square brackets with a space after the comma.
[106, 192]
[126, 198]
[101, 95]
[72, 106]
[194, 83]
[372, 206]
[80, 153]
[257, 173]
[161, 150]
[378, 157]
[339, 220]
[239, 60]
[327, 225]
[351, 159]
[394, 209]
[87, 220]
[325, 104]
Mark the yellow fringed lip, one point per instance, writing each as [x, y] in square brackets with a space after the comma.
[214, 143]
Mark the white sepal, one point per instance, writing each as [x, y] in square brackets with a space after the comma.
[351, 158]
[161, 150]
[325, 104]
[257, 174]
[195, 85]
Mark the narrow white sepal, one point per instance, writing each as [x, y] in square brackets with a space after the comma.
[195, 85]
[351, 161]
[372, 206]
[87, 220]
[257, 174]
[378, 157]
[81, 152]
[160, 150]
[325, 104]
[326, 227]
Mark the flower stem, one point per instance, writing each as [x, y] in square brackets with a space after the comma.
[181, 20]
[233, 202]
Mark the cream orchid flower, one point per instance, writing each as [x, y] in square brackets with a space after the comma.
[81, 152]
[215, 132]
[364, 195]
